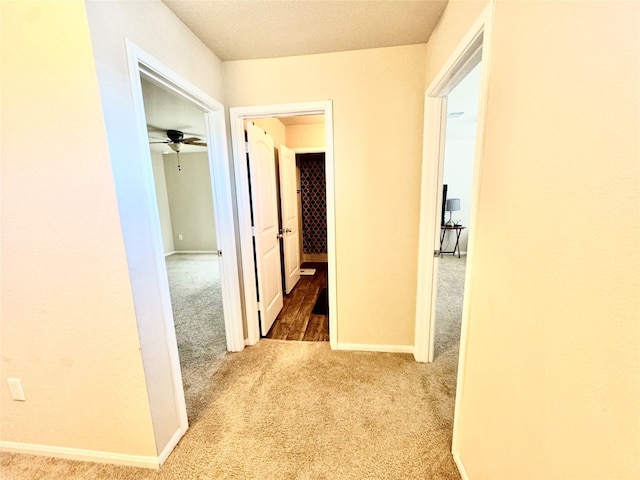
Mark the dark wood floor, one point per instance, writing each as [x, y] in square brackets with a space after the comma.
[296, 320]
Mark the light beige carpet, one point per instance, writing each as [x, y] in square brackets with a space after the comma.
[196, 299]
[297, 410]
[451, 273]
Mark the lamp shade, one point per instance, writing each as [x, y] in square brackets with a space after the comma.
[452, 205]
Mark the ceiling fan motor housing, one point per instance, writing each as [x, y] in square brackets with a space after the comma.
[175, 136]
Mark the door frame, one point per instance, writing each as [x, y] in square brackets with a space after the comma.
[141, 64]
[435, 119]
[237, 116]
[303, 150]
[474, 46]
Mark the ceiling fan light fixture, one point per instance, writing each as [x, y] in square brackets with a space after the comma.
[176, 147]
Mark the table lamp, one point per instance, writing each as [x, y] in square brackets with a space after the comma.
[452, 205]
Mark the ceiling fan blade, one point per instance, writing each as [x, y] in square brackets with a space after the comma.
[197, 144]
[191, 139]
[154, 128]
[166, 141]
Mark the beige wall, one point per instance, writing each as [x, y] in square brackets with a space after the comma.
[292, 136]
[457, 18]
[153, 28]
[162, 197]
[551, 387]
[191, 202]
[552, 382]
[68, 322]
[305, 136]
[376, 290]
[273, 127]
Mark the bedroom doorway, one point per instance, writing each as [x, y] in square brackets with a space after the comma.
[457, 178]
[473, 49]
[144, 243]
[186, 211]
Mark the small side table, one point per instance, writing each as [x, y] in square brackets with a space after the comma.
[458, 229]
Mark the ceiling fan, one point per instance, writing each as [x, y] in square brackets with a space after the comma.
[175, 140]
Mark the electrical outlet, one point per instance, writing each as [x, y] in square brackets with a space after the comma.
[15, 388]
[180, 237]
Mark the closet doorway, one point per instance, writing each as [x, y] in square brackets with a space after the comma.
[291, 237]
[302, 309]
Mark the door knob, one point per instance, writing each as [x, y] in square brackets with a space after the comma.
[288, 230]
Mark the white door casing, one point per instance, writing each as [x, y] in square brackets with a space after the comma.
[473, 47]
[289, 212]
[462, 62]
[439, 112]
[144, 280]
[264, 195]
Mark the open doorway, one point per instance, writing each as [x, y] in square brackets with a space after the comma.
[257, 239]
[143, 238]
[457, 178]
[473, 52]
[186, 212]
[300, 199]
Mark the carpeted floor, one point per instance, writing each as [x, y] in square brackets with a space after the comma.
[449, 303]
[196, 297]
[297, 410]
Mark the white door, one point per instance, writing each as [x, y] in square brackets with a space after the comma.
[264, 201]
[289, 210]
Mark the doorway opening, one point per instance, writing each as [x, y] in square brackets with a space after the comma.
[295, 185]
[143, 236]
[457, 177]
[186, 211]
[300, 191]
[289, 289]
[474, 50]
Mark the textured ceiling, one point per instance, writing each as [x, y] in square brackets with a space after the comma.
[248, 29]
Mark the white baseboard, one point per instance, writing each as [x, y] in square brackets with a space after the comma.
[314, 257]
[463, 253]
[460, 465]
[170, 253]
[364, 347]
[82, 455]
[196, 251]
[171, 444]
